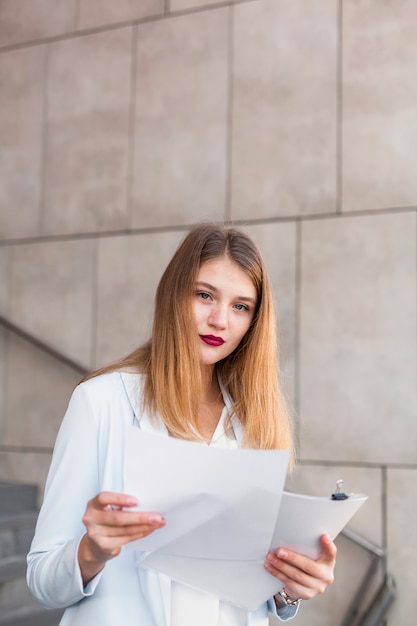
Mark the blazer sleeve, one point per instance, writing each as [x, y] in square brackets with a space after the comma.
[53, 573]
[283, 614]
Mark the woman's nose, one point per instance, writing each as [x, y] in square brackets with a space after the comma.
[218, 317]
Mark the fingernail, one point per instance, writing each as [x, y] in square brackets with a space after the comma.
[283, 554]
[156, 519]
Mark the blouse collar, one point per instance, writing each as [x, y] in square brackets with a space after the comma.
[133, 385]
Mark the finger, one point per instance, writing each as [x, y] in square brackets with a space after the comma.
[329, 551]
[110, 542]
[297, 583]
[286, 570]
[287, 561]
[116, 500]
[326, 560]
[109, 539]
[118, 522]
[117, 517]
[288, 565]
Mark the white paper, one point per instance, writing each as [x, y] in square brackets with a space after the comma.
[303, 519]
[225, 509]
[218, 503]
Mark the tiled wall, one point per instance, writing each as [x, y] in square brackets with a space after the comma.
[121, 123]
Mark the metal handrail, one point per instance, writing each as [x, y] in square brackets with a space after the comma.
[41, 345]
[374, 613]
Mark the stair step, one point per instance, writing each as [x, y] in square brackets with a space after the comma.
[38, 617]
[16, 497]
[12, 567]
[18, 606]
[18, 514]
[16, 533]
[14, 593]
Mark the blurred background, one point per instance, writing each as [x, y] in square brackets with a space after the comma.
[123, 123]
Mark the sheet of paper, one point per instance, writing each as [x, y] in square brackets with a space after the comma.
[225, 510]
[301, 521]
[244, 583]
[218, 503]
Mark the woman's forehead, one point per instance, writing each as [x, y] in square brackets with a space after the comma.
[223, 273]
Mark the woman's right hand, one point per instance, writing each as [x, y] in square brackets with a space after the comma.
[109, 527]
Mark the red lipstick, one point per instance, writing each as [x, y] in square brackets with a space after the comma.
[211, 340]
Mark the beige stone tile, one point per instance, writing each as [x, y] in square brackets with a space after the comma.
[28, 20]
[52, 292]
[21, 106]
[38, 391]
[129, 269]
[87, 133]
[402, 543]
[277, 244]
[284, 108]
[379, 104]
[180, 124]
[357, 339]
[93, 13]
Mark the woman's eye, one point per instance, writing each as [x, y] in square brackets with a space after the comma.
[203, 295]
[241, 307]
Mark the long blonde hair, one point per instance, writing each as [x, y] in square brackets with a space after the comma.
[170, 361]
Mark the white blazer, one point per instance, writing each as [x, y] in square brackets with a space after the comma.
[88, 458]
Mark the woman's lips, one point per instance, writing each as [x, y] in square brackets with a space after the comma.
[211, 340]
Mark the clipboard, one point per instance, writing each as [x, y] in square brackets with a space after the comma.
[216, 539]
[301, 521]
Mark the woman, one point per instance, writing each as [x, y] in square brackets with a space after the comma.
[208, 374]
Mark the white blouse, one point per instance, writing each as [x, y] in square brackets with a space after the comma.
[190, 606]
[88, 458]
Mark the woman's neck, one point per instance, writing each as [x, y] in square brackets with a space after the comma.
[211, 404]
[210, 389]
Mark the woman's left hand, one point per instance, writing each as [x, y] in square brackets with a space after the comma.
[303, 578]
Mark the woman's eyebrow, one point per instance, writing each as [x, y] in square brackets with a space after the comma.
[210, 287]
[200, 283]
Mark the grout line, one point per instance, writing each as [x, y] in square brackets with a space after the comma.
[131, 128]
[44, 143]
[185, 226]
[297, 329]
[384, 515]
[76, 14]
[6, 351]
[339, 110]
[26, 449]
[94, 307]
[114, 26]
[229, 119]
[358, 464]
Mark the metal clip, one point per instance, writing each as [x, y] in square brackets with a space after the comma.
[339, 494]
